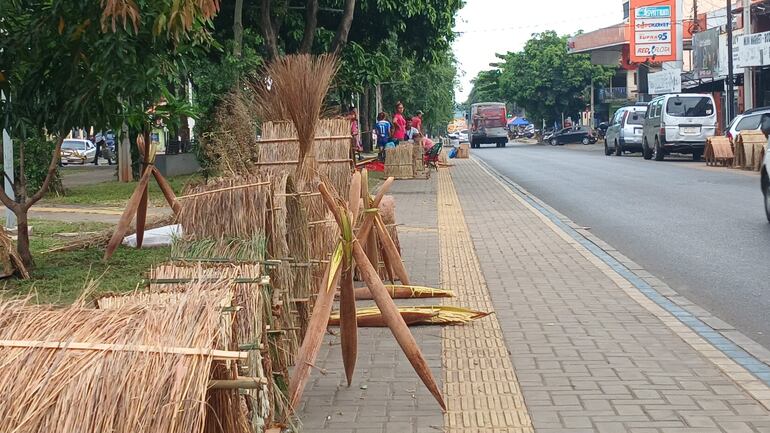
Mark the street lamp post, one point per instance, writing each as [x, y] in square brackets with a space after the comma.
[730, 78]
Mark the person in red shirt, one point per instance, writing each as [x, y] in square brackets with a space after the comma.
[417, 121]
[399, 123]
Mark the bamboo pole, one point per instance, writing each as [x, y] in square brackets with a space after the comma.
[215, 191]
[242, 382]
[223, 355]
[294, 139]
[293, 162]
[389, 310]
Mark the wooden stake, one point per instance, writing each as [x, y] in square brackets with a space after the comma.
[389, 247]
[316, 329]
[141, 213]
[167, 190]
[128, 215]
[389, 310]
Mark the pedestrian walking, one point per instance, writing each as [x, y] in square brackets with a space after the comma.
[399, 122]
[102, 150]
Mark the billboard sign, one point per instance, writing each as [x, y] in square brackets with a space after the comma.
[706, 47]
[666, 81]
[753, 50]
[654, 30]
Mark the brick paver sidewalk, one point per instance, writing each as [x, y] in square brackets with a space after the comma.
[576, 343]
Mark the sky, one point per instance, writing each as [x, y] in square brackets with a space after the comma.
[487, 27]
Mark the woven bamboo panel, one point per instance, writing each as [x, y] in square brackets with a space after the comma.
[719, 151]
[399, 161]
[749, 150]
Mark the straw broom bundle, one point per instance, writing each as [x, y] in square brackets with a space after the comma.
[155, 378]
[297, 87]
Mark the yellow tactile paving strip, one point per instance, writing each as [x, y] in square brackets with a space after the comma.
[480, 386]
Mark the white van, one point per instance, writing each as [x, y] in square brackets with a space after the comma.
[678, 123]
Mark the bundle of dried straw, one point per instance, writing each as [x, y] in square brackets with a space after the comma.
[232, 208]
[295, 89]
[137, 367]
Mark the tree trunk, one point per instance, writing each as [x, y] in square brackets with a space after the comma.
[22, 243]
[365, 126]
[311, 23]
[271, 41]
[341, 38]
[238, 28]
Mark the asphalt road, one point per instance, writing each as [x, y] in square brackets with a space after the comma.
[701, 230]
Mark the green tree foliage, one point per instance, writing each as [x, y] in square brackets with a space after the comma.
[426, 86]
[76, 63]
[486, 88]
[546, 80]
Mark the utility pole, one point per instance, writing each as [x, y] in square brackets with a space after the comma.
[10, 217]
[730, 78]
[748, 73]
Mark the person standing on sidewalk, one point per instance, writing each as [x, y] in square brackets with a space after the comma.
[355, 135]
[417, 121]
[383, 131]
[411, 131]
[399, 122]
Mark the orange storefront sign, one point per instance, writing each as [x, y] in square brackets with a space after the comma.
[653, 31]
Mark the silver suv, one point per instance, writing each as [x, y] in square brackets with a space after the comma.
[625, 131]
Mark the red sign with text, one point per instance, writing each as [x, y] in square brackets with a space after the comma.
[653, 31]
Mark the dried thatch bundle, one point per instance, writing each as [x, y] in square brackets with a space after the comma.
[421, 315]
[248, 309]
[230, 146]
[233, 208]
[10, 259]
[137, 367]
[295, 89]
[103, 237]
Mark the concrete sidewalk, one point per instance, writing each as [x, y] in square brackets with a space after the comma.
[582, 339]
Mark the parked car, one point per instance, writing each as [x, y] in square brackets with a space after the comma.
[576, 134]
[462, 136]
[764, 125]
[488, 124]
[77, 151]
[625, 131]
[678, 123]
[748, 120]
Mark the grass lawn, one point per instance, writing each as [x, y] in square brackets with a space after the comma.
[116, 193]
[375, 179]
[60, 277]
